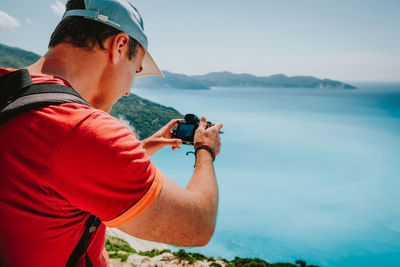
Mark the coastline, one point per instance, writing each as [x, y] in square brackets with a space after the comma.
[165, 259]
[136, 243]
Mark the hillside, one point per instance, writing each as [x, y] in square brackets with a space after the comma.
[145, 116]
[13, 57]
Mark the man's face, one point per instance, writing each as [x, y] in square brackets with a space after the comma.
[131, 68]
[119, 78]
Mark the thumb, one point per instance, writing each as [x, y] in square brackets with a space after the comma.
[172, 123]
[203, 123]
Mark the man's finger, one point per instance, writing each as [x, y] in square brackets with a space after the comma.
[218, 126]
[172, 123]
[172, 142]
[203, 123]
[168, 141]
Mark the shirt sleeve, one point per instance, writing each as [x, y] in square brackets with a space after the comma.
[101, 168]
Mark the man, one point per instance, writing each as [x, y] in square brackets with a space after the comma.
[63, 163]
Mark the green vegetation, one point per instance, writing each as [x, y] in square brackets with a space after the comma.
[189, 257]
[118, 248]
[145, 116]
[122, 256]
[154, 252]
[12, 57]
[245, 262]
[117, 244]
[181, 255]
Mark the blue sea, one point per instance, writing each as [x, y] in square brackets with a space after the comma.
[310, 174]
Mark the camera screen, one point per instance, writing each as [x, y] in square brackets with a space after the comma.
[185, 131]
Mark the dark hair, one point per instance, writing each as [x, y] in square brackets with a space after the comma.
[85, 33]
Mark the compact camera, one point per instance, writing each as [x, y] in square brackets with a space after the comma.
[187, 128]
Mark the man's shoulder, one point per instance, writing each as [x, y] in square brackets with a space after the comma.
[39, 79]
[60, 120]
[73, 115]
[64, 115]
[83, 123]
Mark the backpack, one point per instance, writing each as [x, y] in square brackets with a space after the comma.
[18, 94]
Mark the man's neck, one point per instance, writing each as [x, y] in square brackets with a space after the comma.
[82, 68]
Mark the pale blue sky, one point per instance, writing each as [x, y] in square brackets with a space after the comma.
[349, 40]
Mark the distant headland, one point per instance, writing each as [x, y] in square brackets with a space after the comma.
[13, 57]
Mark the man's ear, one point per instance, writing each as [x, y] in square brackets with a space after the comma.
[119, 47]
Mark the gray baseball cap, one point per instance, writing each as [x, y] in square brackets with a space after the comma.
[122, 15]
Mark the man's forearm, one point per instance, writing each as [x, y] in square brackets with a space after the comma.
[204, 183]
[150, 150]
[181, 217]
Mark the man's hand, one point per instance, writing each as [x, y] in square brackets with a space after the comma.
[161, 139]
[208, 137]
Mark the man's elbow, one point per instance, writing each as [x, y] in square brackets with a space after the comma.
[203, 235]
[206, 236]
[206, 239]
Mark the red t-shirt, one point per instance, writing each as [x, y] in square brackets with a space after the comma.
[58, 165]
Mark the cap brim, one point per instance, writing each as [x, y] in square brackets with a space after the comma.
[149, 67]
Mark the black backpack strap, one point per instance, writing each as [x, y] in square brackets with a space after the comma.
[11, 85]
[18, 94]
[91, 225]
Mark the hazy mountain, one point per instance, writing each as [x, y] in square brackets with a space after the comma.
[229, 79]
[13, 57]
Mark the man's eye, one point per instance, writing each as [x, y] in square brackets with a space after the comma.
[140, 69]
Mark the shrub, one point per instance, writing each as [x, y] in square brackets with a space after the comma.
[117, 244]
[123, 257]
[153, 252]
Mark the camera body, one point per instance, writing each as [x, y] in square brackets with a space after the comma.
[187, 128]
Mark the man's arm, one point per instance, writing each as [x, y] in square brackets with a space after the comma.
[184, 217]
